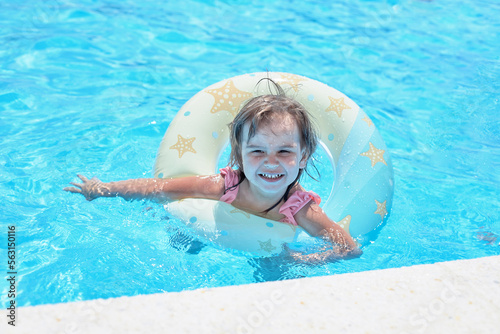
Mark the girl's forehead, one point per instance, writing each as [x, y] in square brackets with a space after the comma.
[285, 128]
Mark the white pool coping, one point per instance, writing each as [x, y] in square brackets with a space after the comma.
[449, 297]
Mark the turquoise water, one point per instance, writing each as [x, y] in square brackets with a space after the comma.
[91, 87]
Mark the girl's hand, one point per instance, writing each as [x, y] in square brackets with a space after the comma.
[328, 254]
[91, 189]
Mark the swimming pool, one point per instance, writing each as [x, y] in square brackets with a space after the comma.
[91, 88]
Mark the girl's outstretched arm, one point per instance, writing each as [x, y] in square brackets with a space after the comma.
[315, 221]
[210, 187]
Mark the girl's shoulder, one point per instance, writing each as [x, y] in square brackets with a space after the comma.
[296, 202]
[231, 181]
[229, 173]
[298, 192]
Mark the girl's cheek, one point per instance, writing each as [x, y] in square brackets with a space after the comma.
[253, 160]
[291, 162]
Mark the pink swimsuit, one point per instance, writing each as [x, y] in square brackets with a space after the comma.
[294, 203]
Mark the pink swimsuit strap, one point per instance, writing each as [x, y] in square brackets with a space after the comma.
[294, 203]
[290, 208]
[231, 179]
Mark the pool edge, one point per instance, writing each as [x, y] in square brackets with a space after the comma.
[461, 295]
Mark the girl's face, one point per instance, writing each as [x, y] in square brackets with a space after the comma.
[272, 158]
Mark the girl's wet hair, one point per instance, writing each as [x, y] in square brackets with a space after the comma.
[260, 111]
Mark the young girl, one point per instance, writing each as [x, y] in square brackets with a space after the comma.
[272, 139]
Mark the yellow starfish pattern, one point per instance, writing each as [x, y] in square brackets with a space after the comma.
[246, 214]
[292, 80]
[375, 155]
[368, 121]
[267, 245]
[381, 208]
[183, 145]
[337, 105]
[228, 98]
[345, 222]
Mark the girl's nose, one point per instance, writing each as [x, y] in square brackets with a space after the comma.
[271, 161]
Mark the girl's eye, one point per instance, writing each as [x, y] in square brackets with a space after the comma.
[257, 151]
[284, 152]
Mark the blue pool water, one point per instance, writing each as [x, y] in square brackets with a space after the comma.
[91, 86]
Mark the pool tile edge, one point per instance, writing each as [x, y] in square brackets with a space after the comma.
[460, 296]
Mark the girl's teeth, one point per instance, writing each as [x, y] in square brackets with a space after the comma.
[271, 176]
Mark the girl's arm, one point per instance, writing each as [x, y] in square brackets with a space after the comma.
[210, 187]
[315, 221]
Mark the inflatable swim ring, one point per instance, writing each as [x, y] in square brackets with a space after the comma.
[361, 195]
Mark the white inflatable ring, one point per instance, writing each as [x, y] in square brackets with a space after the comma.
[361, 195]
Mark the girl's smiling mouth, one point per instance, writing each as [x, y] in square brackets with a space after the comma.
[271, 177]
